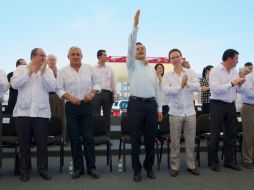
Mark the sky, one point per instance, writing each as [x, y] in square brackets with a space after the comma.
[201, 29]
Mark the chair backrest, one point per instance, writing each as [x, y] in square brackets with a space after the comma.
[55, 126]
[203, 124]
[164, 125]
[99, 125]
[9, 128]
[125, 130]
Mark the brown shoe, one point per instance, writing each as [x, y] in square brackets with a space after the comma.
[247, 165]
[174, 173]
[193, 171]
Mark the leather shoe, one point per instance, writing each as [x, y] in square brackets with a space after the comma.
[215, 167]
[174, 173]
[232, 166]
[76, 174]
[247, 165]
[137, 177]
[150, 174]
[94, 174]
[45, 176]
[193, 171]
[24, 177]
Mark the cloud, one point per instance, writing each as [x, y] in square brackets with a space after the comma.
[100, 19]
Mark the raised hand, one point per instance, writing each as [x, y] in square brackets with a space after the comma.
[136, 18]
[43, 67]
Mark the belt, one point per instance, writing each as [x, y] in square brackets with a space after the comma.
[104, 90]
[248, 104]
[220, 101]
[142, 99]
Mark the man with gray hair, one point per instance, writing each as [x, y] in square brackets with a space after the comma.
[56, 103]
[77, 84]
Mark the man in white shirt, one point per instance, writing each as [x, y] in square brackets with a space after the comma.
[144, 107]
[179, 85]
[4, 85]
[77, 84]
[224, 82]
[32, 111]
[107, 95]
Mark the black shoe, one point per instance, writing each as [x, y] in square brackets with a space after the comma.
[193, 171]
[94, 174]
[174, 173]
[150, 174]
[215, 167]
[24, 177]
[232, 166]
[45, 176]
[76, 174]
[137, 177]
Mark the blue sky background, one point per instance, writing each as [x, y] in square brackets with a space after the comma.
[201, 29]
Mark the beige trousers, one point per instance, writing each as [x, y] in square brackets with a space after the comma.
[188, 125]
[247, 114]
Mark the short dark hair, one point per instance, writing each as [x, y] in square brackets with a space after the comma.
[248, 64]
[157, 65]
[207, 68]
[100, 52]
[18, 62]
[139, 43]
[174, 50]
[34, 52]
[229, 53]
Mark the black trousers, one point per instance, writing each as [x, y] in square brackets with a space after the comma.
[27, 127]
[222, 118]
[79, 123]
[104, 100]
[142, 120]
[205, 108]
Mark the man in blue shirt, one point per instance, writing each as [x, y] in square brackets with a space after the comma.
[144, 107]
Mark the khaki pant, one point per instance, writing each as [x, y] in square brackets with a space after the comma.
[188, 125]
[247, 114]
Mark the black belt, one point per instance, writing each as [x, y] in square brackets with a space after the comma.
[52, 93]
[142, 99]
[248, 104]
[104, 90]
[220, 101]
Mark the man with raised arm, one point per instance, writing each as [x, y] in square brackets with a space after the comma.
[144, 109]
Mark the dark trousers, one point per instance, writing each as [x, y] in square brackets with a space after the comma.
[104, 100]
[79, 122]
[27, 127]
[142, 120]
[1, 122]
[205, 108]
[222, 118]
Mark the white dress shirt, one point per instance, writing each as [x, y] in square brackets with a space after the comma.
[142, 78]
[220, 84]
[33, 92]
[4, 84]
[164, 98]
[248, 90]
[106, 76]
[181, 99]
[78, 84]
